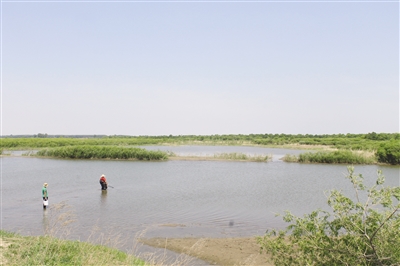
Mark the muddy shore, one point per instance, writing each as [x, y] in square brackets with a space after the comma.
[216, 251]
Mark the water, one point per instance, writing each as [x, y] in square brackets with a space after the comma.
[172, 198]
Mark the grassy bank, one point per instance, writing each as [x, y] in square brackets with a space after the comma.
[333, 157]
[46, 250]
[102, 152]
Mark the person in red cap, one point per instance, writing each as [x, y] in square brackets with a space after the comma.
[103, 182]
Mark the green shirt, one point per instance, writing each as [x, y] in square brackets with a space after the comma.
[44, 193]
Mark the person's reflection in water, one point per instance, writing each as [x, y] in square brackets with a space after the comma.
[103, 198]
[45, 221]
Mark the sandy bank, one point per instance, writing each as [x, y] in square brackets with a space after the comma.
[220, 251]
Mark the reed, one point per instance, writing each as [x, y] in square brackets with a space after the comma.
[290, 158]
[103, 152]
[242, 157]
[339, 157]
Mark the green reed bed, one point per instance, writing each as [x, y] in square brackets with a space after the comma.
[103, 152]
[339, 156]
[47, 250]
[242, 157]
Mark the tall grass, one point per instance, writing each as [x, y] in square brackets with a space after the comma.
[47, 250]
[102, 152]
[55, 247]
[242, 157]
[291, 158]
[339, 157]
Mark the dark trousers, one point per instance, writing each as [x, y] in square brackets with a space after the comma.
[103, 185]
[44, 198]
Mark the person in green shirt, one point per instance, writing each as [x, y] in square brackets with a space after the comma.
[45, 194]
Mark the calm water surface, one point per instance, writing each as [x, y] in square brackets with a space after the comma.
[173, 198]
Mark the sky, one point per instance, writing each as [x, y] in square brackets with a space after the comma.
[199, 67]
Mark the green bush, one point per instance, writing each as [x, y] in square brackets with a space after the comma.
[339, 156]
[353, 233]
[389, 152]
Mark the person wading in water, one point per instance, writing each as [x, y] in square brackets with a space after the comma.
[103, 182]
[45, 194]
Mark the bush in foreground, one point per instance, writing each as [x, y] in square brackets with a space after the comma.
[355, 233]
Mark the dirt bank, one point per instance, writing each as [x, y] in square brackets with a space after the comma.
[219, 251]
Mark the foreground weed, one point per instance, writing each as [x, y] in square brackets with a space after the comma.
[364, 231]
[54, 248]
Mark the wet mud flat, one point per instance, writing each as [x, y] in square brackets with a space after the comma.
[216, 251]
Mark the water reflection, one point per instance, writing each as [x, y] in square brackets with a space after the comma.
[103, 197]
[45, 221]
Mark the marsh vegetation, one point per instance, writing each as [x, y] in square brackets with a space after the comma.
[243, 157]
[348, 148]
[103, 152]
[333, 157]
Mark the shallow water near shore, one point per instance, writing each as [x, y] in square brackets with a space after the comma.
[172, 198]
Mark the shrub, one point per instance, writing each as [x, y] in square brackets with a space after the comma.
[389, 152]
[354, 233]
[339, 156]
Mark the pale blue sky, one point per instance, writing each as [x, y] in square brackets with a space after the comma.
[160, 68]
